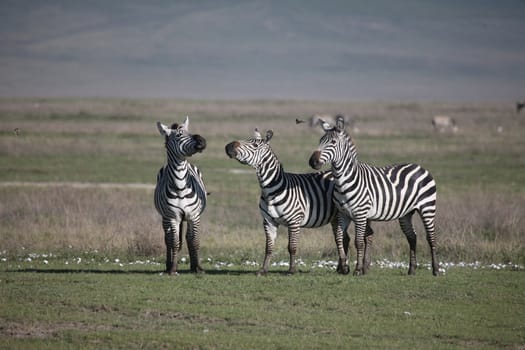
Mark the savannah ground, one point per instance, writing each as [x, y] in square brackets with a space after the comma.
[81, 245]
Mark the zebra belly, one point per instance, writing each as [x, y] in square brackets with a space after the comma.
[286, 214]
[366, 210]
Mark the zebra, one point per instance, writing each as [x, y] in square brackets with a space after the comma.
[180, 194]
[368, 193]
[292, 200]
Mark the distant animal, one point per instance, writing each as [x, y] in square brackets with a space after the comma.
[519, 106]
[368, 193]
[442, 123]
[299, 121]
[16, 131]
[180, 194]
[292, 200]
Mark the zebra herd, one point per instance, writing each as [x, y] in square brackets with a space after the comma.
[350, 191]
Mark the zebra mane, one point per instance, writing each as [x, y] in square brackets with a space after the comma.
[351, 144]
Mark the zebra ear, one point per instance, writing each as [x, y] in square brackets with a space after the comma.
[163, 129]
[269, 135]
[257, 134]
[184, 126]
[340, 123]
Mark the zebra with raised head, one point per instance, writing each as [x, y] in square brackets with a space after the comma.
[368, 193]
[180, 194]
[292, 200]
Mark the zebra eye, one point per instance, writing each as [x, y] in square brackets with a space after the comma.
[255, 144]
[333, 142]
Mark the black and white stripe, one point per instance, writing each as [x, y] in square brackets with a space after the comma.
[292, 200]
[367, 193]
[180, 194]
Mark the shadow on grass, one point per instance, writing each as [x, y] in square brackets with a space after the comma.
[148, 272]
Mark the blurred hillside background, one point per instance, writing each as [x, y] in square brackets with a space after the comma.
[322, 50]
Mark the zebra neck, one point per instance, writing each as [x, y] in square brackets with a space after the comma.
[178, 172]
[347, 166]
[270, 173]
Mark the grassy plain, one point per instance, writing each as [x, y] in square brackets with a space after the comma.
[480, 173]
[59, 306]
[61, 195]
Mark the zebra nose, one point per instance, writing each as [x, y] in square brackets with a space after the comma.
[231, 149]
[315, 161]
[201, 143]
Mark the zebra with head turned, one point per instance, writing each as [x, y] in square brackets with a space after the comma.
[292, 200]
[180, 194]
[367, 193]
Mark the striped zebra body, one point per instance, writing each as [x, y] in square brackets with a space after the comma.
[180, 194]
[292, 200]
[367, 193]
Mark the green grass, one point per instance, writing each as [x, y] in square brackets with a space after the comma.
[65, 306]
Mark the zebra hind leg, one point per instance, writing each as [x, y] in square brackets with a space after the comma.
[171, 238]
[428, 223]
[408, 229]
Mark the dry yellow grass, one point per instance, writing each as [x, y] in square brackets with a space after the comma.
[479, 172]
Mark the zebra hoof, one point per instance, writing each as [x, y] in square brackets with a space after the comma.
[198, 270]
[343, 270]
[358, 272]
[261, 272]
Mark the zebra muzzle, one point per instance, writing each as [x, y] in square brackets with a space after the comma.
[231, 149]
[200, 143]
[315, 160]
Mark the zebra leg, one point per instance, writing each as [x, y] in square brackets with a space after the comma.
[271, 233]
[428, 223]
[360, 229]
[293, 234]
[171, 238]
[342, 240]
[192, 238]
[369, 233]
[410, 233]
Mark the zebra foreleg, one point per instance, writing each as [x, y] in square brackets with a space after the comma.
[369, 235]
[410, 233]
[293, 236]
[192, 238]
[360, 230]
[340, 225]
[171, 238]
[271, 233]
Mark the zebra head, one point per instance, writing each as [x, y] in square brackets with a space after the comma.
[252, 151]
[179, 142]
[333, 145]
